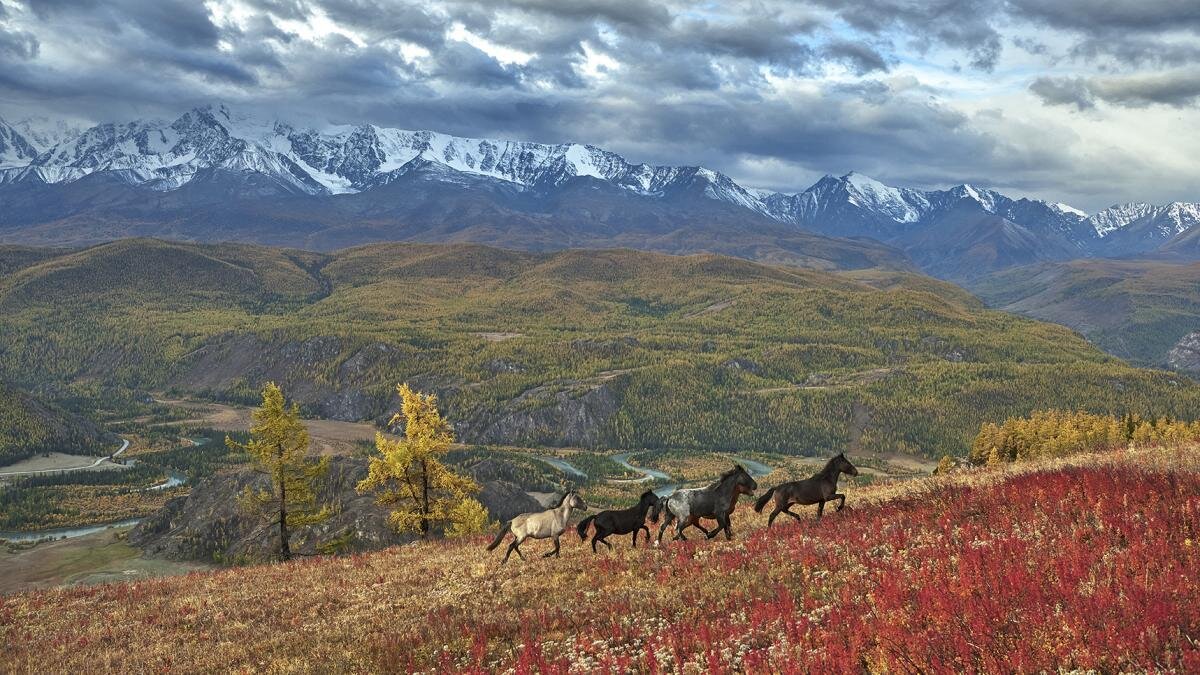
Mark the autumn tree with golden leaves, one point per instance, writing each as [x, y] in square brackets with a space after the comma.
[278, 447]
[408, 476]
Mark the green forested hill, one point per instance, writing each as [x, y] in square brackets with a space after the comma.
[604, 348]
[29, 426]
[1136, 309]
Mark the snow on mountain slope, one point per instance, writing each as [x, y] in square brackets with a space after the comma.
[1117, 216]
[15, 150]
[339, 159]
[165, 155]
[1140, 227]
[44, 133]
[902, 205]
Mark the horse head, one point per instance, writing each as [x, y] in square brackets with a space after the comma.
[574, 501]
[842, 464]
[744, 483]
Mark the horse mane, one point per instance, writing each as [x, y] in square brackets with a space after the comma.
[828, 468]
[561, 499]
[737, 468]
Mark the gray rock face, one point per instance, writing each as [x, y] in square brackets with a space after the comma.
[359, 389]
[558, 415]
[1185, 355]
[208, 524]
[742, 364]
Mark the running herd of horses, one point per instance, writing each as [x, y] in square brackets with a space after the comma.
[684, 508]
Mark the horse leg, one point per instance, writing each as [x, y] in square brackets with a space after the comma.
[680, 526]
[820, 509]
[841, 500]
[663, 528]
[635, 534]
[722, 524]
[594, 540]
[776, 512]
[695, 522]
[606, 543]
[793, 514]
[514, 546]
[553, 552]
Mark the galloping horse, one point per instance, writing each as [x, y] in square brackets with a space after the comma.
[687, 507]
[624, 521]
[821, 488]
[547, 524]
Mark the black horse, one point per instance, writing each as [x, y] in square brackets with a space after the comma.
[687, 507]
[624, 521]
[821, 488]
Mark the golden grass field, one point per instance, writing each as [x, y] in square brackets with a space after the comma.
[450, 605]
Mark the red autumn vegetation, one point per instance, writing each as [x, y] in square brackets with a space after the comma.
[1086, 563]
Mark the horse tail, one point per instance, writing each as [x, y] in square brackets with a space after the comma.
[500, 537]
[583, 526]
[762, 501]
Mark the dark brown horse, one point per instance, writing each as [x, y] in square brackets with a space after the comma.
[623, 521]
[821, 488]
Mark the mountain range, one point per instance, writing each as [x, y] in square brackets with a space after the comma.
[216, 174]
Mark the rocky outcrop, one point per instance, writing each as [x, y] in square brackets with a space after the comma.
[330, 376]
[742, 364]
[1185, 355]
[208, 524]
[564, 414]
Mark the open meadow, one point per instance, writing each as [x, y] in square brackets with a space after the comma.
[1081, 563]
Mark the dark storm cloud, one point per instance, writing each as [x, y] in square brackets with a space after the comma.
[1178, 88]
[1064, 91]
[859, 57]
[669, 81]
[965, 24]
[182, 23]
[18, 44]
[1129, 32]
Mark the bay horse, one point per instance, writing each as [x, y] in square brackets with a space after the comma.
[548, 524]
[820, 488]
[686, 507]
[624, 521]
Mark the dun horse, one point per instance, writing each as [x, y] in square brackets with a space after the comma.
[821, 488]
[687, 507]
[547, 524]
[624, 521]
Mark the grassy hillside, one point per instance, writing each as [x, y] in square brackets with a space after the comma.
[587, 348]
[29, 426]
[941, 574]
[1136, 309]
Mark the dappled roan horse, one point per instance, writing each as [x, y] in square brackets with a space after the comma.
[820, 488]
[686, 507]
[548, 524]
[623, 521]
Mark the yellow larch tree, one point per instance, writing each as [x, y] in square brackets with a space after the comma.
[408, 476]
[279, 448]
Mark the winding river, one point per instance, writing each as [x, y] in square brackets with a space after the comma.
[562, 465]
[174, 479]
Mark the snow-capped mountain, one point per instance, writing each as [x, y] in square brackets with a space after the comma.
[44, 133]
[15, 149]
[165, 155]
[1139, 227]
[215, 164]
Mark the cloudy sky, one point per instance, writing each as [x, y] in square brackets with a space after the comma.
[1085, 101]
